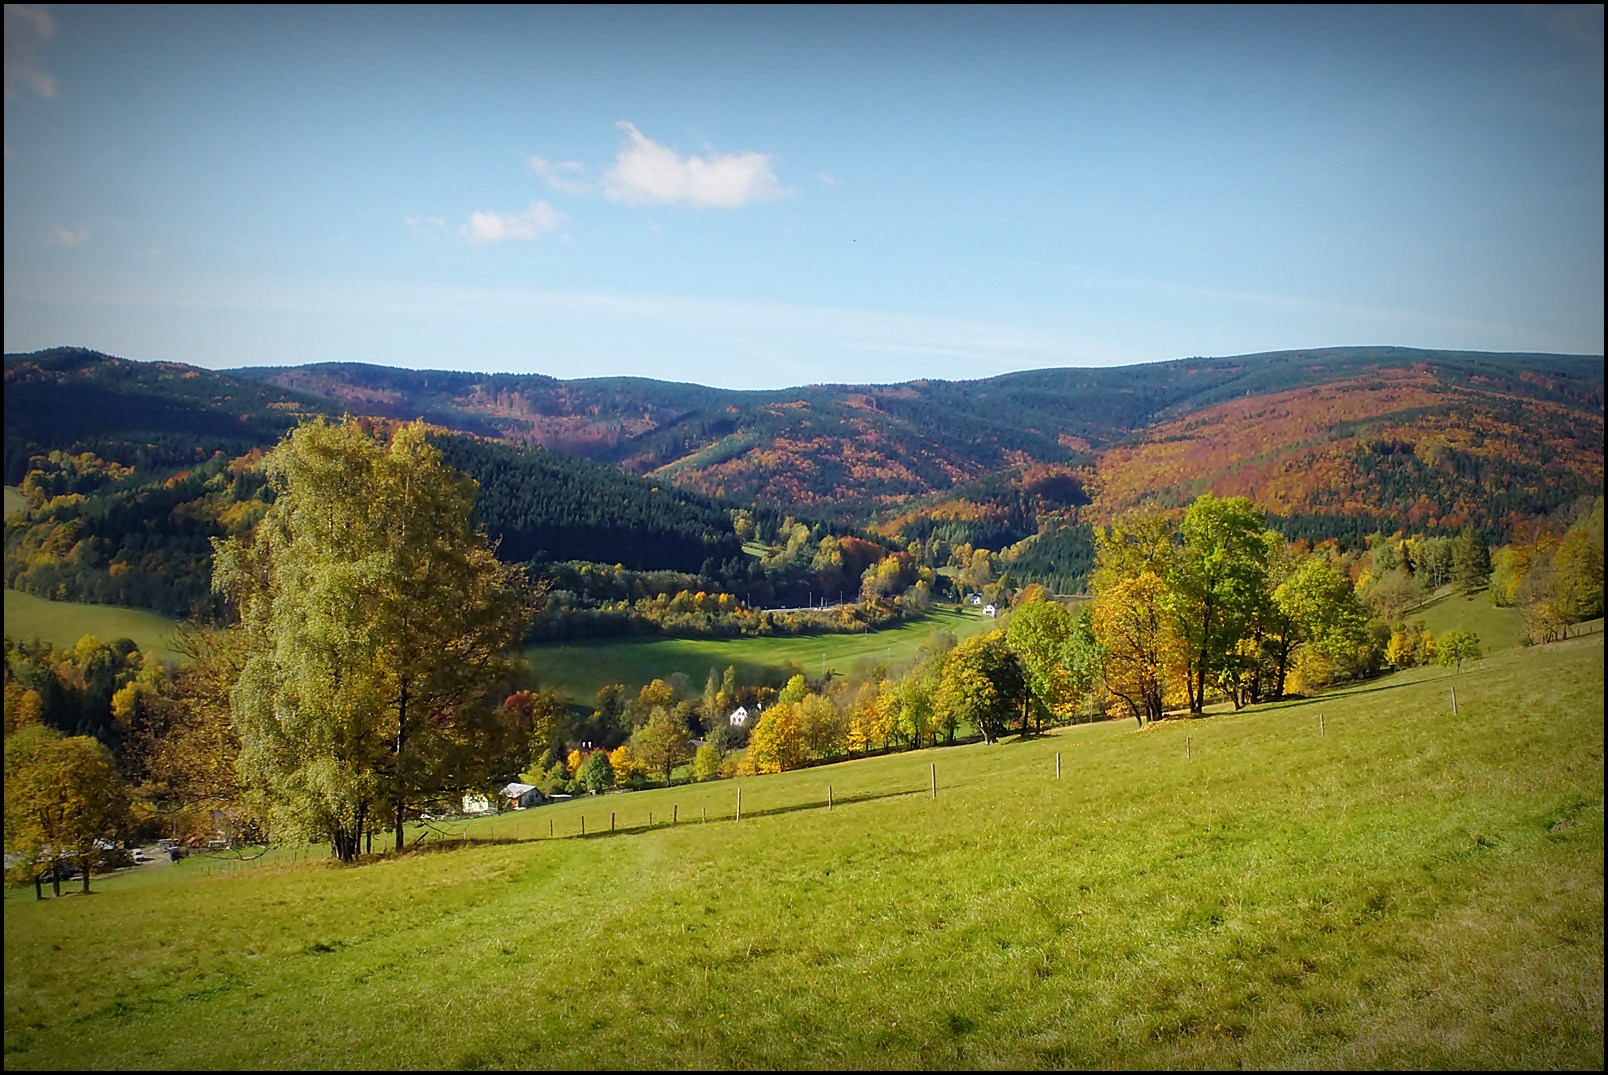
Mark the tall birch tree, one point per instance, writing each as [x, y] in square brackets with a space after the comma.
[376, 618]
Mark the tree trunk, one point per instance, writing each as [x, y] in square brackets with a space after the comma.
[401, 741]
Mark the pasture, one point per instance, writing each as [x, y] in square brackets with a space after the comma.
[1360, 880]
[575, 670]
[62, 623]
[578, 670]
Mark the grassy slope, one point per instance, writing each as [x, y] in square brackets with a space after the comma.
[577, 670]
[1408, 890]
[15, 500]
[62, 623]
[1498, 628]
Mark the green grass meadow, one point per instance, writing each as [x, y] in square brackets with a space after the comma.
[1361, 880]
[575, 670]
[578, 670]
[1498, 628]
[15, 501]
[62, 623]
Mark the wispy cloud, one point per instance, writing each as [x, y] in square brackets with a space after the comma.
[647, 173]
[566, 176]
[431, 227]
[28, 27]
[61, 235]
[524, 225]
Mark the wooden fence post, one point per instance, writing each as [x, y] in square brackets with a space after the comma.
[583, 824]
[1454, 701]
[675, 814]
[1320, 724]
[1187, 751]
[1057, 765]
[611, 820]
[739, 804]
[934, 780]
[549, 826]
[829, 798]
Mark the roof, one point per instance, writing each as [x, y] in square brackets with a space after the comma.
[518, 789]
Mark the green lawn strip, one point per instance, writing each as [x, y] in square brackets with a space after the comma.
[15, 501]
[1405, 889]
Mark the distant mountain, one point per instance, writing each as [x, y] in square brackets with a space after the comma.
[145, 463]
[143, 414]
[1361, 437]
[1335, 442]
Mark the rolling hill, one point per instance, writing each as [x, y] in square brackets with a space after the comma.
[1337, 442]
[1454, 436]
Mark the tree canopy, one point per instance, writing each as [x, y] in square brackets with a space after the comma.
[376, 622]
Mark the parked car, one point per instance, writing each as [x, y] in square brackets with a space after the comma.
[139, 856]
[63, 872]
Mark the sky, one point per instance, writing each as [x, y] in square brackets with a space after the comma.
[768, 197]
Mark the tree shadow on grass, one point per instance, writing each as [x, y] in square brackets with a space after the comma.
[1322, 699]
[748, 813]
[437, 841]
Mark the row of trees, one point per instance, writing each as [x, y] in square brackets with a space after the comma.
[1215, 601]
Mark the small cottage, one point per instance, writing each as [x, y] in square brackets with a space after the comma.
[739, 716]
[517, 796]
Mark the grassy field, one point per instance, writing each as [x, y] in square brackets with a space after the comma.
[62, 623]
[1404, 889]
[1498, 628]
[577, 670]
[14, 500]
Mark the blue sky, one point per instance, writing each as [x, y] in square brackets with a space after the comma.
[766, 197]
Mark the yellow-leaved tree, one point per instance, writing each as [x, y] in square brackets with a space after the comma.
[377, 624]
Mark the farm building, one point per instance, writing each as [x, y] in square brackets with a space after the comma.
[517, 796]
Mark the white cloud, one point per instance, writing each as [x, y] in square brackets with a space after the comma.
[27, 27]
[647, 173]
[64, 236]
[827, 178]
[567, 176]
[532, 223]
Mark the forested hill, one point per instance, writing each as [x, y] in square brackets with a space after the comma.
[1355, 435]
[146, 415]
[543, 506]
[132, 468]
[1333, 442]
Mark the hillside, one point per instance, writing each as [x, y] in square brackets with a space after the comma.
[1338, 442]
[1405, 889]
[1448, 437]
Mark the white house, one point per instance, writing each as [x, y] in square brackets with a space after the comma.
[476, 803]
[739, 716]
[990, 610]
[974, 599]
[519, 795]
